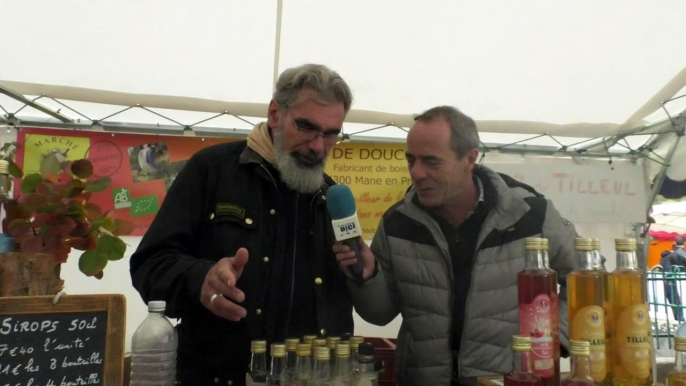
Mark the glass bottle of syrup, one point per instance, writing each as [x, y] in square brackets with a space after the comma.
[521, 374]
[538, 311]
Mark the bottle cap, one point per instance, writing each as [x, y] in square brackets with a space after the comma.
[355, 341]
[278, 350]
[521, 343]
[580, 348]
[680, 343]
[331, 342]
[292, 344]
[583, 244]
[304, 350]
[309, 338]
[346, 336]
[366, 349]
[318, 343]
[322, 354]
[342, 349]
[258, 346]
[595, 242]
[544, 243]
[534, 244]
[157, 305]
[625, 245]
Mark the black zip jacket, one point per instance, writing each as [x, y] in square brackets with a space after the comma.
[228, 197]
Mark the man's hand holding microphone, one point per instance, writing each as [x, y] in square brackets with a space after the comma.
[354, 257]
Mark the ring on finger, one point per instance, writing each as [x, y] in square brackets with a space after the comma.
[213, 298]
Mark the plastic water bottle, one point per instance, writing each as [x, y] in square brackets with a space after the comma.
[154, 349]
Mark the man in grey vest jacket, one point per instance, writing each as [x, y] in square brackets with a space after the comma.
[447, 256]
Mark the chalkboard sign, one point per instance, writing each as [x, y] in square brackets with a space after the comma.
[77, 341]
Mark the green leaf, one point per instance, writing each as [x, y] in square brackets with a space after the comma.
[91, 263]
[112, 247]
[98, 185]
[30, 182]
[19, 227]
[82, 168]
[93, 211]
[73, 188]
[50, 165]
[104, 223]
[123, 227]
[14, 169]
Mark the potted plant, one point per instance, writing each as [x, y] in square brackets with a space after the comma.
[53, 214]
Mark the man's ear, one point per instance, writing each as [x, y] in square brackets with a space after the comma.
[472, 156]
[273, 115]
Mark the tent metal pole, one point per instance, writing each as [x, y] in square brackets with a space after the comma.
[663, 171]
[30, 103]
[277, 43]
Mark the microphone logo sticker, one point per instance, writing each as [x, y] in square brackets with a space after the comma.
[347, 228]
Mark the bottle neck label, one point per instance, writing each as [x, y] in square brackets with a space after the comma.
[536, 322]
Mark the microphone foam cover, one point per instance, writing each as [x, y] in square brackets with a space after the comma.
[340, 202]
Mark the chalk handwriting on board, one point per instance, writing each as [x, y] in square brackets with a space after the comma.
[66, 349]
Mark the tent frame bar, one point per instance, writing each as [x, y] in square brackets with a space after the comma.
[37, 106]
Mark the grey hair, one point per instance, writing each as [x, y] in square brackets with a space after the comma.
[328, 85]
[463, 134]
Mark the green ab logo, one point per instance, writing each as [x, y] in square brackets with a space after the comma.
[122, 198]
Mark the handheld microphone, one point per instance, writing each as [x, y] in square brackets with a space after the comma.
[341, 206]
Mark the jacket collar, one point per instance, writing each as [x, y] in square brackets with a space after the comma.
[507, 208]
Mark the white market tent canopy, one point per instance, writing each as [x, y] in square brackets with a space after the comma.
[584, 80]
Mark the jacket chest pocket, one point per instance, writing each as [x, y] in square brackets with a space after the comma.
[227, 233]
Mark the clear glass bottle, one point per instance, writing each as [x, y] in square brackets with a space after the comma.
[5, 180]
[291, 356]
[539, 312]
[580, 369]
[321, 374]
[632, 332]
[277, 373]
[585, 301]
[355, 342]
[303, 366]
[316, 343]
[258, 364]
[342, 369]
[154, 349]
[309, 338]
[331, 344]
[521, 374]
[365, 375]
[678, 376]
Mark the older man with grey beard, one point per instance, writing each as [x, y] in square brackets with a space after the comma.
[241, 247]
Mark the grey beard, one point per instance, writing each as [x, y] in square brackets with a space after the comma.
[299, 177]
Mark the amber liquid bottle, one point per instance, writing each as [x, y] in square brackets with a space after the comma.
[538, 312]
[632, 333]
[521, 375]
[580, 366]
[607, 307]
[585, 300]
[678, 376]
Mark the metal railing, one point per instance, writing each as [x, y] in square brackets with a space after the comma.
[665, 291]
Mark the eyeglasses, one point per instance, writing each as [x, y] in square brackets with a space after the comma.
[310, 135]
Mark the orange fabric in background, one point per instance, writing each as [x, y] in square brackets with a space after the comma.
[655, 250]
